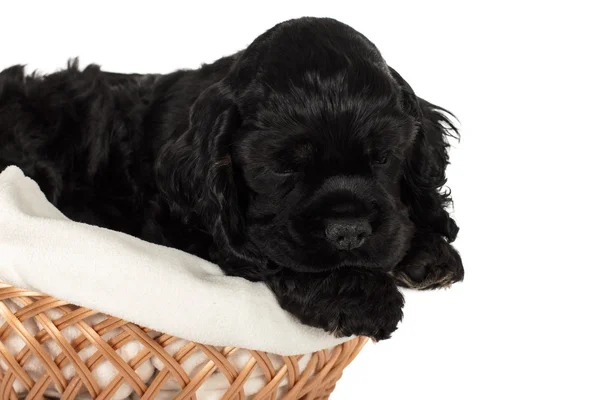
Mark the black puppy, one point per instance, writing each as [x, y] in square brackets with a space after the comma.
[303, 161]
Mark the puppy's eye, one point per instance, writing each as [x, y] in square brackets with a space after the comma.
[380, 159]
[285, 170]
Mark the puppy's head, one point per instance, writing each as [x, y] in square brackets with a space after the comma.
[313, 154]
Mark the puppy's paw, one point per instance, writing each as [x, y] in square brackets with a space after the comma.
[426, 271]
[344, 302]
[373, 314]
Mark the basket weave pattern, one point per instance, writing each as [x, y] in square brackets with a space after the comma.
[315, 380]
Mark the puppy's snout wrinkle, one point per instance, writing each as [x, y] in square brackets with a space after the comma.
[348, 234]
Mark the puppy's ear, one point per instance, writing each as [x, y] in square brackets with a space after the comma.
[432, 262]
[187, 158]
[425, 172]
[195, 171]
[408, 99]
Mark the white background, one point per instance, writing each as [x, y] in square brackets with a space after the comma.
[523, 80]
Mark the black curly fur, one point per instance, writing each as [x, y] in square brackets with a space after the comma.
[245, 161]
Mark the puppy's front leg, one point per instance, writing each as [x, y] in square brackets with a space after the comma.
[345, 302]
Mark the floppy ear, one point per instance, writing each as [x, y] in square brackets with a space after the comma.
[408, 99]
[425, 173]
[432, 261]
[195, 172]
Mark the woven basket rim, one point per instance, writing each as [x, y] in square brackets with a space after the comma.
[316, 380]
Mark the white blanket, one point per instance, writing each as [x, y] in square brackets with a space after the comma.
[158, 287]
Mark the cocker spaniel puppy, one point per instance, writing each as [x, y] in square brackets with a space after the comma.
[303, 161]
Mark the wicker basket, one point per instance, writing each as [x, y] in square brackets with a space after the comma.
[49, 347]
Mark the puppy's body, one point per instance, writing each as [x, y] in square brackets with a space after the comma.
[91, 139]
[303, 161]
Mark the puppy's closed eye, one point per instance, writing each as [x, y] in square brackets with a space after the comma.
[380, 159]
[286, 171]
[294, 158]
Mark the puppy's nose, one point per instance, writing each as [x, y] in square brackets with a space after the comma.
[347, 234]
